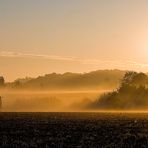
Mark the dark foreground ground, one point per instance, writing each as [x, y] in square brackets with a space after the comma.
[70, 130]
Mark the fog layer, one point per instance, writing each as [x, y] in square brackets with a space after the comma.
[35, 101]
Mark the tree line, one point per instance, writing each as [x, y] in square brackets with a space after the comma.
[131, 94]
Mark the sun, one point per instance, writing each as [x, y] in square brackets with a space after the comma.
[142, 49]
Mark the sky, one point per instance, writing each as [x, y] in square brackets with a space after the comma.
[38, 37]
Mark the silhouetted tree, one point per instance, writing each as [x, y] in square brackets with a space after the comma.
[2, 81]
[134, 79]
[140, 79]
[132, 94]
[128, 78]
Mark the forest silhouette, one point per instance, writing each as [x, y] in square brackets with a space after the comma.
[131, 94]
[130, 91]
[100, 79]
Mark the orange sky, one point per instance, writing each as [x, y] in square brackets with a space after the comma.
[39, 37]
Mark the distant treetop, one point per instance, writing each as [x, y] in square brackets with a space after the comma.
[2, 81]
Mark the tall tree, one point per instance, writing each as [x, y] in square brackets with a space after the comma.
[2, 81]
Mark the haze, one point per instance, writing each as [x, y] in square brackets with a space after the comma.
[43, 36]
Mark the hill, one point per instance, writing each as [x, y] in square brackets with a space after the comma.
[101, 79]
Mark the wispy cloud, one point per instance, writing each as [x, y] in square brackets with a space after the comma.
[96, 62]
[41, 56]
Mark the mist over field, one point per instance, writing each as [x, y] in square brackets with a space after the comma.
[47, 101]
[58, 92]
[109, 90]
